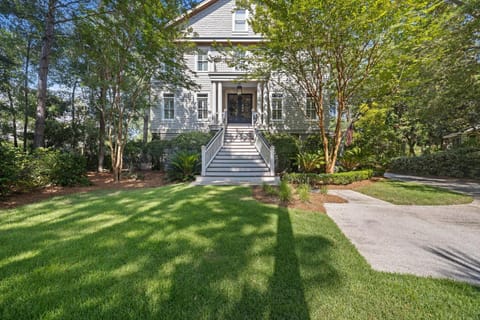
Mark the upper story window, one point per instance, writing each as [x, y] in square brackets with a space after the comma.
[168, 106]
[240, 20]
[202, 62]
[310, 110]
[277, 106]
[202, 105]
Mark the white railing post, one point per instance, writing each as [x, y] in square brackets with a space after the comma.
[204, 166]
[272, 160]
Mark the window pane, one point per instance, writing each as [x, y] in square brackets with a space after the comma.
[240, 18]
[202, 62]
[168, 106]
[277, 102]
[241, 14]
[202, 104]
[311, 111]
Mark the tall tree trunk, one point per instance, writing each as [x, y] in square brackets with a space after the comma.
[14, 117]
[47, 42]
[146, 119]
[101, 129]
[74, 126]
[26, 91]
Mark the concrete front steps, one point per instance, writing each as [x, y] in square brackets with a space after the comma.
[238, 161]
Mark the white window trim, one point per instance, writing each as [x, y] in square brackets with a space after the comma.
[282, 99]
[208, 107]
[246, 22]
[163, 107]
[196, 63]
[306, 110]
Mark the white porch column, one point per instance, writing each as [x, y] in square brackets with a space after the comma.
[213, 104]
[220, 100]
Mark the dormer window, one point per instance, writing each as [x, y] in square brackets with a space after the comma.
[202, 62]
[240, 20]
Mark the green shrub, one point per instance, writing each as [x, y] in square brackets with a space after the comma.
[156, 151]
[303, 192]
[23, 172]
[341, 178]
[190, 142]
[312, 143]
[285, 192]
[10, 167]
[69, 170]
[310, 162]
[184, 166]
[133, 154]
[459, 163]
[269, 189]
[351, 159]
[286, 149]
[323, 190]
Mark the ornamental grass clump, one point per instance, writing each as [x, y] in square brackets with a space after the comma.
[303, 192]
[285, 192]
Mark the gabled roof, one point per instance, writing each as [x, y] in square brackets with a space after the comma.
[198, 8]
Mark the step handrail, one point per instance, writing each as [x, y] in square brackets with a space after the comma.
[211, 149]
[267, 151]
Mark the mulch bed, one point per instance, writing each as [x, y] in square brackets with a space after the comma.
[314, 204]
[100, 181]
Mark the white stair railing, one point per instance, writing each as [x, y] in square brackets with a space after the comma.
[213, 147]
[266, 151]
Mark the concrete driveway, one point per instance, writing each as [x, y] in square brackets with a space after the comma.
[437, 241]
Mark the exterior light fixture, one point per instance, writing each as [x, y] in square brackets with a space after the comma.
[239, 90]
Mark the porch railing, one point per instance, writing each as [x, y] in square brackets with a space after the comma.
[213, 147]
[266, 151]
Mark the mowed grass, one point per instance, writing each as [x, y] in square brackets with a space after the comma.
[410, 193]
[181, 252]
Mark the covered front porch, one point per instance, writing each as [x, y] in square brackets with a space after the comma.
[236, 102]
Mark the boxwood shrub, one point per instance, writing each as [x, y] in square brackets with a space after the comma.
[314, 179]
[458, 163]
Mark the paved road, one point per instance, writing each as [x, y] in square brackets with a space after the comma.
[437, 241]
[464, 186]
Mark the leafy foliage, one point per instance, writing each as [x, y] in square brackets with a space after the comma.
[303, 192]
[69, 170]
[310, 162]
[334, 178]
[156, 151]
[352, 158]
[184, 166]
[22, 172]
[286, 149]
[460, 163]
[285, 192]
[190, 141]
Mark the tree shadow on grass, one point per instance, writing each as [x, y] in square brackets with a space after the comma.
[169, 253]
[463, 266]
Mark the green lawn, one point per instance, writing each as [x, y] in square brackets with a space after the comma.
[410, 193]
[182, 252]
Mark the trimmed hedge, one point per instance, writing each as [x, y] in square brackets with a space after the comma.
[314, 179]
[458, 163]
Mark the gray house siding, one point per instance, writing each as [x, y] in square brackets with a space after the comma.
[215, 22]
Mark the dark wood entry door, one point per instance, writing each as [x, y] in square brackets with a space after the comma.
[240, 108]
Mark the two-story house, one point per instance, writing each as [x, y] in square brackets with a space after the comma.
[225, 101]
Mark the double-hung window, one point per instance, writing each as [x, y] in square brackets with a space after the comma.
[310, 110]
[202, 62]
[277, 106]
[240, 20]
[168, 106]
[202, 106]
